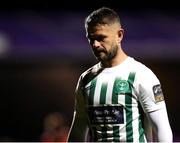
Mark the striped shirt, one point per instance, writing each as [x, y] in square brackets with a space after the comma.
[114, 100]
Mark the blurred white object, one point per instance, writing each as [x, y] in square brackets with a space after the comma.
[4, 45]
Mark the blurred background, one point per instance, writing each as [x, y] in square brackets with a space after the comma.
[43, 51]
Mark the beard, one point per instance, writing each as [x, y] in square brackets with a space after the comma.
[104, 56]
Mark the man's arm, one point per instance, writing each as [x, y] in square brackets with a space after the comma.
[160, 125]
[148, 129]
[79, 124]
[78, 129]
[153, 103]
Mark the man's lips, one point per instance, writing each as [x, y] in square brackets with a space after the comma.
[100, 50]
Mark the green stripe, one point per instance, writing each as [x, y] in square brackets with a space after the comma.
[128, 104]
[141, 130]
[92, 90]
[115, 92]
[116, 134]
[103, 93]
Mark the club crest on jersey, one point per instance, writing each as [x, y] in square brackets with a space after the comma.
[122, 86]
[158, 94]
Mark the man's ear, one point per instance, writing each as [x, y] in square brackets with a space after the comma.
[120, 35]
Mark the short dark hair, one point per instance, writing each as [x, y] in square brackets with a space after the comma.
[103, 16]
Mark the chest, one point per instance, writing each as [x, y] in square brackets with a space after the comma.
[108, 89]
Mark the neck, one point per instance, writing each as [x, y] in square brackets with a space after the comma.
[118, 59]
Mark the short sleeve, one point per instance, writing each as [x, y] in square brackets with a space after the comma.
[150, 91]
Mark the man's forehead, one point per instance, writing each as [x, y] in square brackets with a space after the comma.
[98, 29]
[96, 32]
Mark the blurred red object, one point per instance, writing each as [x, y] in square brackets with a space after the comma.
[55, 129]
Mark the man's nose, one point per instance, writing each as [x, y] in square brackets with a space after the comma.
[96, 44]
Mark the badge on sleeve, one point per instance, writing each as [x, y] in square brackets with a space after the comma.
[158, 94]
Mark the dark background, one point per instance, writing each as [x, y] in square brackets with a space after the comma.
[43, 50]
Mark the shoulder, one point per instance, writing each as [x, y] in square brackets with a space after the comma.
[86, 76]
[90, 70]
[90, 73]
[141, 69]
[146, 80]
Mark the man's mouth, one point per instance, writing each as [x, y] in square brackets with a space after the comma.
[100, 50]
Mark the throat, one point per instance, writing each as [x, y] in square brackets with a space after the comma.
[115, 61]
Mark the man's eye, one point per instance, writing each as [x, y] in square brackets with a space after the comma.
[100, 39]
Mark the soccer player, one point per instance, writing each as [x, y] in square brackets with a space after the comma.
[119, 99]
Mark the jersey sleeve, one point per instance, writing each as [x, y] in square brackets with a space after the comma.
[150, 92]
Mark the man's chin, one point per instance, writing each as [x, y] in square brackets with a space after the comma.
[101, 59]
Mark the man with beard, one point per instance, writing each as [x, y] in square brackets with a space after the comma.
[117, 95]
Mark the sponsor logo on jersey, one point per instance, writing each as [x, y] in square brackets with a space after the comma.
[158, 94]
[106, 115]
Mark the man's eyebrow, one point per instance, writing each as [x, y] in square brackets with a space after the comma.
[96, 36]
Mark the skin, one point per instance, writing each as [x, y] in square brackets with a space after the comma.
[105, 41]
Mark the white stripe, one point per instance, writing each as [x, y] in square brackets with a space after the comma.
[99, 133]
[87, 88]
[109, 91]
[109, 131]
[121, 100]
[135, 117]
[97, 92]
[135, 124]
[122, 127]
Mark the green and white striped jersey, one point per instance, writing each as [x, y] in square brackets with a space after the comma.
[112, 99]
